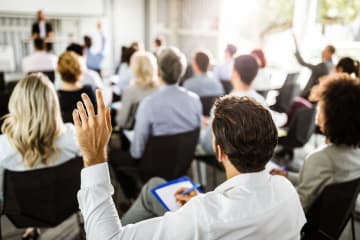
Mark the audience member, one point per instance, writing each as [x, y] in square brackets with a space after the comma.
[223, 70]
[95, 58]
[125, 73]
[318, 70]
[34, 133]
[261, 82]
[244, 72]
[203, 83]
[159, 45]
[71, 89]
[144, 67]
[250, 204]
[89, 77]
[348, 65]
[338, 160]
[40, 60]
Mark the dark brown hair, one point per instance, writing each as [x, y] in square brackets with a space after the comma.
[202, 60]
[245, 132]
[247, 68]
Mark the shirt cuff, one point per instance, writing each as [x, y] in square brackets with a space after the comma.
[95, 175]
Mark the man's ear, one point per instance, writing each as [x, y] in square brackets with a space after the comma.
[221, 156]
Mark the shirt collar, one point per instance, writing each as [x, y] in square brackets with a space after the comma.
[245, 180]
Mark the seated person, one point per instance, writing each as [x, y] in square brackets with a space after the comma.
[144, 68]
[262, 81]
[203, 84]
[338, 160]
[251, 204]
[89, 77]
[71, 89]
[124, 72]
[244, 72]
[34, 135]
[40, 60]
[223, 71]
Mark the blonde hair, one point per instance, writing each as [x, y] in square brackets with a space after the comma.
[144, 66]
[34, 120]
[69, 67]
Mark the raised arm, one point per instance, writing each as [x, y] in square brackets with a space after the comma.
[299, 57]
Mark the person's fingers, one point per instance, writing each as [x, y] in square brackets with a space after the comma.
[88, 104]
[82, 112]
[100, 102]
[108, 119]
[180, 190]
[180, 197]
[76, 118]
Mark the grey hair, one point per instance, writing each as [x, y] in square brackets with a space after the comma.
[172, 65]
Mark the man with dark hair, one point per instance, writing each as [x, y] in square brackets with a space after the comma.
[244, 72]
[318, 70]
[95, 58]
[40, 60]
[203, 84]
[89, 77]
[222, 72]
[250, 204]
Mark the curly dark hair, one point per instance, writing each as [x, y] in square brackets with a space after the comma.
[340, 101]
[245, 131]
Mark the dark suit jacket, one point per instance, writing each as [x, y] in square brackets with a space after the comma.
[36, 28]
[317, 71]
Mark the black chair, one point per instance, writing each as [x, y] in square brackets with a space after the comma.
[287, 93]
[42, 197]
[49, 74]
[130, 120]
[207, 103]
[226, 85]
[168, 157]
[328, 216]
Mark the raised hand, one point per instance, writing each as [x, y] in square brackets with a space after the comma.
[93, 131]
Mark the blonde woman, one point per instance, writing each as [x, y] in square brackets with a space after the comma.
[70, 70]
[144, 67]
[34, 135]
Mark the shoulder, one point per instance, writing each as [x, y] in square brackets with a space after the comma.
[6, 148]
[319, 156]
[88, 89]
[190, 94]
[67, 136]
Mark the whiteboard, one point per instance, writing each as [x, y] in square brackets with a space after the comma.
[54, 7]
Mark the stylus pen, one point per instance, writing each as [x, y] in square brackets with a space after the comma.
[193, 188]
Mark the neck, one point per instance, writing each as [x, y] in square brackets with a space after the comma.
[71, 86]
[198, 73]
[230, 170]
[240, 86]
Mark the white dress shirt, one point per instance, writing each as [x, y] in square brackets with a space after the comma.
[39, 61]
[11, 159]
[249, 206]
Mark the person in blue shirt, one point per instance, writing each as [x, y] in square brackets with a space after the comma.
[203, 83]
[170, 110]
[94, 59]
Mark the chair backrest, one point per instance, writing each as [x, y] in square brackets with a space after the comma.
[168, 157]
[301, 127]
[49, 74]
[130, 120]
[42, 197]
[226, 85]
[287, 93]
[207, 103]
[328, 216]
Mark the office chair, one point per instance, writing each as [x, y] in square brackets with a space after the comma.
[42, 197]
[332, 210]
[207, 103]
[226, 85]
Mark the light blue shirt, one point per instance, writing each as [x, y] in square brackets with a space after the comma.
[206, 134]
[94, 59]
[204, 85]
[223, 70]
[168, 111]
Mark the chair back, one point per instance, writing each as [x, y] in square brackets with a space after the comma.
[42, 197]
[207, 103]
[328, 216]
[287, 93]
[130, 120]
[226, 85]
[168, 157]
[301, 127]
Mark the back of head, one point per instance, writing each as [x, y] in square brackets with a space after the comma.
[348, 65]
[126, 54]
[246, 67]
[143, 65]
[331, 49]
[69, 67]
[259, 54]
[87, 41]
[231, 49]
[202, 60]
[76, 48]
[245, 131]
[159, 41]
[34, 120]
[339, 105]
[39, 44]
[172, 64]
